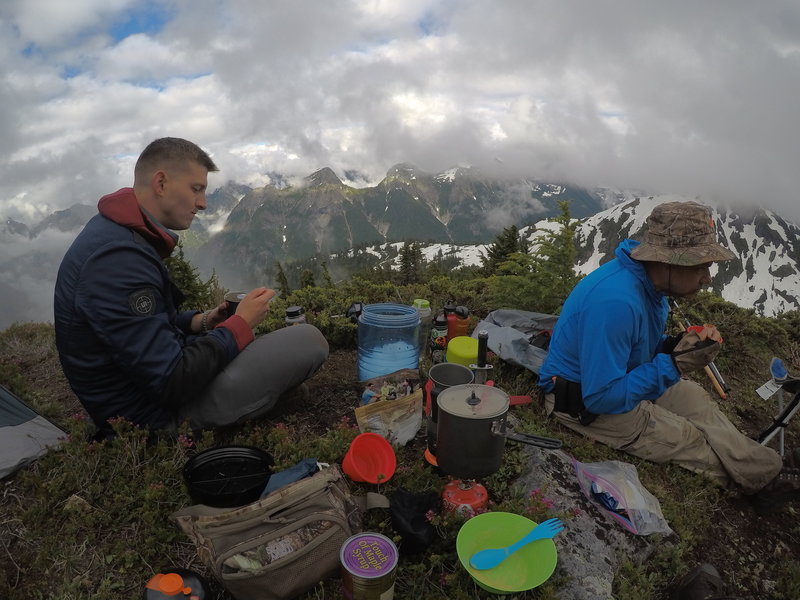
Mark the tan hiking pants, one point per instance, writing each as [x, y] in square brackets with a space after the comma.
[684, 426]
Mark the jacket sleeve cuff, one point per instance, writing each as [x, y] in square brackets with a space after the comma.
[184, 320]
[241, 331]
[672, 374]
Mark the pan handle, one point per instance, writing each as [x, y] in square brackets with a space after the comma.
[534, 440]
[503, 428]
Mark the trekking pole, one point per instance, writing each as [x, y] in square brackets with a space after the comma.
[711, 370]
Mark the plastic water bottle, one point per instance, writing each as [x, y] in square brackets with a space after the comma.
[438, 339]
[425, 319]
[388, 339]
[450, 312]
[458, 325]
[294, 315]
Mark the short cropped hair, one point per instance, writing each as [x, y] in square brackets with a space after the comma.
[170, 152]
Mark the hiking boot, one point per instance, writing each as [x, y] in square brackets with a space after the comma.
[784, 488]
[703, 583]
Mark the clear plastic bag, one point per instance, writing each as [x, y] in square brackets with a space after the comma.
[615, 487]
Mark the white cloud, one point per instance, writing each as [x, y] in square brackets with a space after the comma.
[671, 98]
[677, 97]
[51, 23]
[140, 58]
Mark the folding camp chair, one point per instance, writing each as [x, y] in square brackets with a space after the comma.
[780, 384]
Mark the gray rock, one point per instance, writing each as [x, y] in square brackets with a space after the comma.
[593, 544]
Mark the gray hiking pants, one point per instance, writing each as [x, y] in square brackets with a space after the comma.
[684, 426]
[251, 384]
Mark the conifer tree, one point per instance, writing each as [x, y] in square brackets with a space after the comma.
[326, 275]
[283, 282]
[507, 242]
[539, 281]
[198, 294]
[557, 253]
[410, 263]
[307, 278]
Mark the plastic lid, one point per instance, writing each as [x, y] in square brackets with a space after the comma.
[473, 401]
[462, 350]
[420, 303]
[170, 584]
[294, 311]
[368, 555]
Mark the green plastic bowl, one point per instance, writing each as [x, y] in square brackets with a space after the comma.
[527, 568]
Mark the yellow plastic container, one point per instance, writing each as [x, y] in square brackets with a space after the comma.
[462, 350]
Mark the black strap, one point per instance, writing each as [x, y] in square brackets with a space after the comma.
[569, 399]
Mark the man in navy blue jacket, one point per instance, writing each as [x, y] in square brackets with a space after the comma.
[126, 350]
[613, 375]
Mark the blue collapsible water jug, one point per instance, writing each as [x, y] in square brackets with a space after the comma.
[387, 339]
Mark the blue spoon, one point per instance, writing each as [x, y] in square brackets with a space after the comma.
[491, 557]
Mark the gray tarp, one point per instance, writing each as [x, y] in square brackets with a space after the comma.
[24, 434]
[510, 333]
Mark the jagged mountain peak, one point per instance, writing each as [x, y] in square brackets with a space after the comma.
[406, 171]
[67, 219]
[324, 176]
[453, 173]
[13, 227]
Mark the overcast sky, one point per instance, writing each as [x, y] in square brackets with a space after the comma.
[679, 96]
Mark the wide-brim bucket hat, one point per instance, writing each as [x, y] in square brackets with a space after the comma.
[681, 233]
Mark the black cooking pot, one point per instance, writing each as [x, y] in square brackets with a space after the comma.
[228, 476]
[443, 376]
[472, 431]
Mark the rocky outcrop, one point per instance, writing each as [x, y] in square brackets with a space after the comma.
[593, 545]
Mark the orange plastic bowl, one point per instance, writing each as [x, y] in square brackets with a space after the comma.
[370, 459]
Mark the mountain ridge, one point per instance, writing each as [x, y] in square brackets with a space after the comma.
[454, 214]
[325, 215]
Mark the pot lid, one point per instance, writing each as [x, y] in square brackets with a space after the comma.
[473, 401]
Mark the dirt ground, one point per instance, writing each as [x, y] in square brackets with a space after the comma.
[333, 393]
[749, 551]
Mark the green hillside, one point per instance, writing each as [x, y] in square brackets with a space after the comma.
[91, 520]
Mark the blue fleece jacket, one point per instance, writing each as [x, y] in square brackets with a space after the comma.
[608, 335]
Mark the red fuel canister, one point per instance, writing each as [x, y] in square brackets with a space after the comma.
[465, 496]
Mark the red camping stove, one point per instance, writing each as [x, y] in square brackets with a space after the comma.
[466, 496]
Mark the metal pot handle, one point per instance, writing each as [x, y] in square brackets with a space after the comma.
[502, 428]
[534, 440]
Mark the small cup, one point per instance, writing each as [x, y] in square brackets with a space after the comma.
[233, 299]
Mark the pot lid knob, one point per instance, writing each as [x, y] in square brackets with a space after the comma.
[473, 399]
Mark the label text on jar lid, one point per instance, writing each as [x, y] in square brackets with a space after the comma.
[369, 555]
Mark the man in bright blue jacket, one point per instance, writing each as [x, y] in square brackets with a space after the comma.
[125, 348]
[613, 375]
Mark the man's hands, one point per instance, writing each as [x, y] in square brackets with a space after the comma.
[706, 332]
[697, 348]
[216, 316]
[254, 306]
